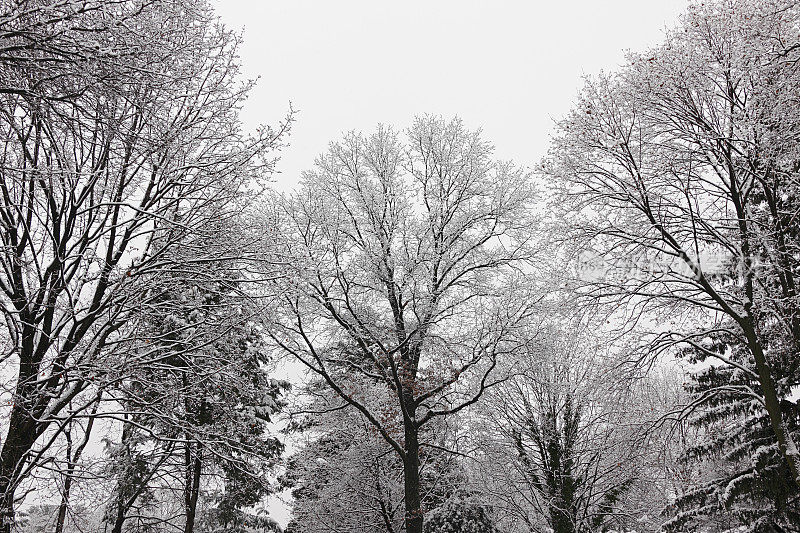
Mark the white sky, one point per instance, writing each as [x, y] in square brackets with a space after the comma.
[508, 66]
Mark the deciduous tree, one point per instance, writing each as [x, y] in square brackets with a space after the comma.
[680, 173]
[400, 257]
[570, 431]
[121, 138]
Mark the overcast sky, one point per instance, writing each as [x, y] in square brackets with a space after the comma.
[510, 67]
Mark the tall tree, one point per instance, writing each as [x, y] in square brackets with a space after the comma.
[684, 165]
[116, 117]
[398, 257]
[204, 390]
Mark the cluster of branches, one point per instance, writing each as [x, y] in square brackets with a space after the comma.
[411, 289]
[403, 253]
[679, 176]
[566, 444]
[126, 180]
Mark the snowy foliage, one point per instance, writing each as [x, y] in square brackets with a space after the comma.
[488, 348]
[460, 516]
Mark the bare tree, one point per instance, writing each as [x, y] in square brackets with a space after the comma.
[73, 454]
[568, 429]
[55, 51]
[108, 159]
[680, 173]
[400, 258]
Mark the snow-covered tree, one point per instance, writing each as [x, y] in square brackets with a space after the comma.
[563, 445]
[679, 175]
[740, 480]
[203, 396]
[399, 256]
[116, 117]
[460, 515]
[346, 477]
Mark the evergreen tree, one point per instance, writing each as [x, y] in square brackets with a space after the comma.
[460, 515]
[346, 477]
[202, 394]
[743, 479]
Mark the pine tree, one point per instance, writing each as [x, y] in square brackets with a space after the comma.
[460, 515]
[744, 480]
[346, 477]
[202, 393]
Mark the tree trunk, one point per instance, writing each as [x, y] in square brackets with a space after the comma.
[72, 461]
[120, 519]
[786, 444]
[62, 508]
[194, 466]
[19, 440]
[122, 493]
[386, 512]
[414, 513]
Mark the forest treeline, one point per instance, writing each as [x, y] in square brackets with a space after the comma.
[606, 342]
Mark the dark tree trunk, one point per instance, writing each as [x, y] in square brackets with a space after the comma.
[19, 440]
[62, 508]
[120, 519]
[786, 444]
[72, 461]
[387, 513]
[122, 496]
[194, 467]
[563, 520]
[411, 484]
